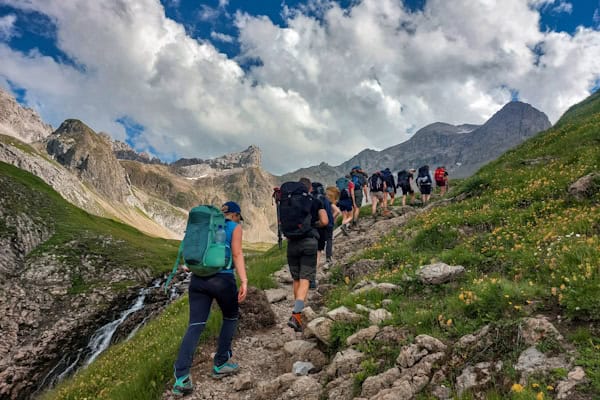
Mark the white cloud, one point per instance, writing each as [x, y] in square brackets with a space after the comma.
[221, 37]
[563, 7]
[329, 84]
[596, 16]
[7, 26]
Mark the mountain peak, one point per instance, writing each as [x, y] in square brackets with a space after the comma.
[21, 122]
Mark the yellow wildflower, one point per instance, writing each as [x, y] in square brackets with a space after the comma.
[517, 388]
[550, 387]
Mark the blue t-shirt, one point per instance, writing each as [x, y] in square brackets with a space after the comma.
[229, 228]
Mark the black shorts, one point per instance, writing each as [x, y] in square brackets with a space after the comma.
[440, 183]
[345, 205]
[325, 235]
[302, 258]
[406, 189]
[425, 189]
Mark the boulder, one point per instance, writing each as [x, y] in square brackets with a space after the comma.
[374, 384]
[276, 295]
[321, 328]
[345, 362]
[255, 311]
[379, 315]
[343, 314]
[586, 186]
[438, 273]
[363, 335]
[535, 329]
[476, 376]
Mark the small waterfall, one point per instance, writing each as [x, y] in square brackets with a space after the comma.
[101, 338]
[99, 341]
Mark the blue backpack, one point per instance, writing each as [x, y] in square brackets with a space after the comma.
[342, 185]
[204, 247]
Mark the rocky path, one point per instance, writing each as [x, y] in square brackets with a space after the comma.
[263, 355]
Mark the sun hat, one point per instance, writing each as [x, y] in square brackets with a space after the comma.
[232, 207]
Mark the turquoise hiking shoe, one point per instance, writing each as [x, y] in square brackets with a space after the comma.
[226, 369]
[183, 386]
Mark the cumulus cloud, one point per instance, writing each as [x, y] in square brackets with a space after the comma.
[222, 37]
[324, 86]
[7, 26]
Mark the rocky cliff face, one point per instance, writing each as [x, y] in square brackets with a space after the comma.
[463, 149]
[45, 314]
[22, 123]
[90, 157]
[124, 152]
[251, 187]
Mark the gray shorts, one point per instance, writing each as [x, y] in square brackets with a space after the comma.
[358, 196]
[302, 258]
[377, 195]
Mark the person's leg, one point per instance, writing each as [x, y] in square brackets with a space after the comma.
[225, 292]
[293, 256]
[308, 268]
[329, 245]
[200, 303]
[373, 203]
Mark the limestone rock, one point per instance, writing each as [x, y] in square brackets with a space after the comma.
[363, 335]
[430, 343]
[276, 295]
[321, 328]
[476, 376]
[341, 388]
[374, 384]
[243, 382]
[410, 355]
[536, 329]
[345, 362]
[379, 315]
[532, 361]
[302, 368]
[438, 273]
[566, 386]
[343, 314]
[586, 186]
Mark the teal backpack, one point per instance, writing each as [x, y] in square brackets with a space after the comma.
[204, 247]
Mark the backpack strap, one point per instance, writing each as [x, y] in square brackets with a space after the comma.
[175, 268]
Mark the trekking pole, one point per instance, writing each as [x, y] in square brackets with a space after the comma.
[275, 200]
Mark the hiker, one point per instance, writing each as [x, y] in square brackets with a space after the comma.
[301, 215]
[325, 243]
[441, 179]
[346, 202]
[333, 195]
[360, 183]
[377, 187]
[390, 185]
[424, 182]
[221, 287]
[405, 181]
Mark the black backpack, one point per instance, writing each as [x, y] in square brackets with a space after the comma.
[376, 183]
[295, 205]
[403, 178]
[423, 178]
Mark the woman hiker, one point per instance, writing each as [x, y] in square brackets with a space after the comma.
[222, 288]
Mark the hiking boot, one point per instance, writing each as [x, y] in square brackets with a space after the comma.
[226, 369]
[183, 386]
[312, 284]
[329, 260]
[295, 322]
[344, 229]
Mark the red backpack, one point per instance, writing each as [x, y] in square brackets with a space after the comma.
[439, 174]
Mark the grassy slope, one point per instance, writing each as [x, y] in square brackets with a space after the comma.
[527, 247]
[77, 232]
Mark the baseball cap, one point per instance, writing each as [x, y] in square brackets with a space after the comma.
[232, 207]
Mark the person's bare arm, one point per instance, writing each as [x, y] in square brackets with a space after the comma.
[238, 261]
[323, 219]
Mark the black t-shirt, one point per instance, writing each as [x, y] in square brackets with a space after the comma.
[316, 205]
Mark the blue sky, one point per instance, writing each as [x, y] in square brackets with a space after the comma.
[317, 80]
